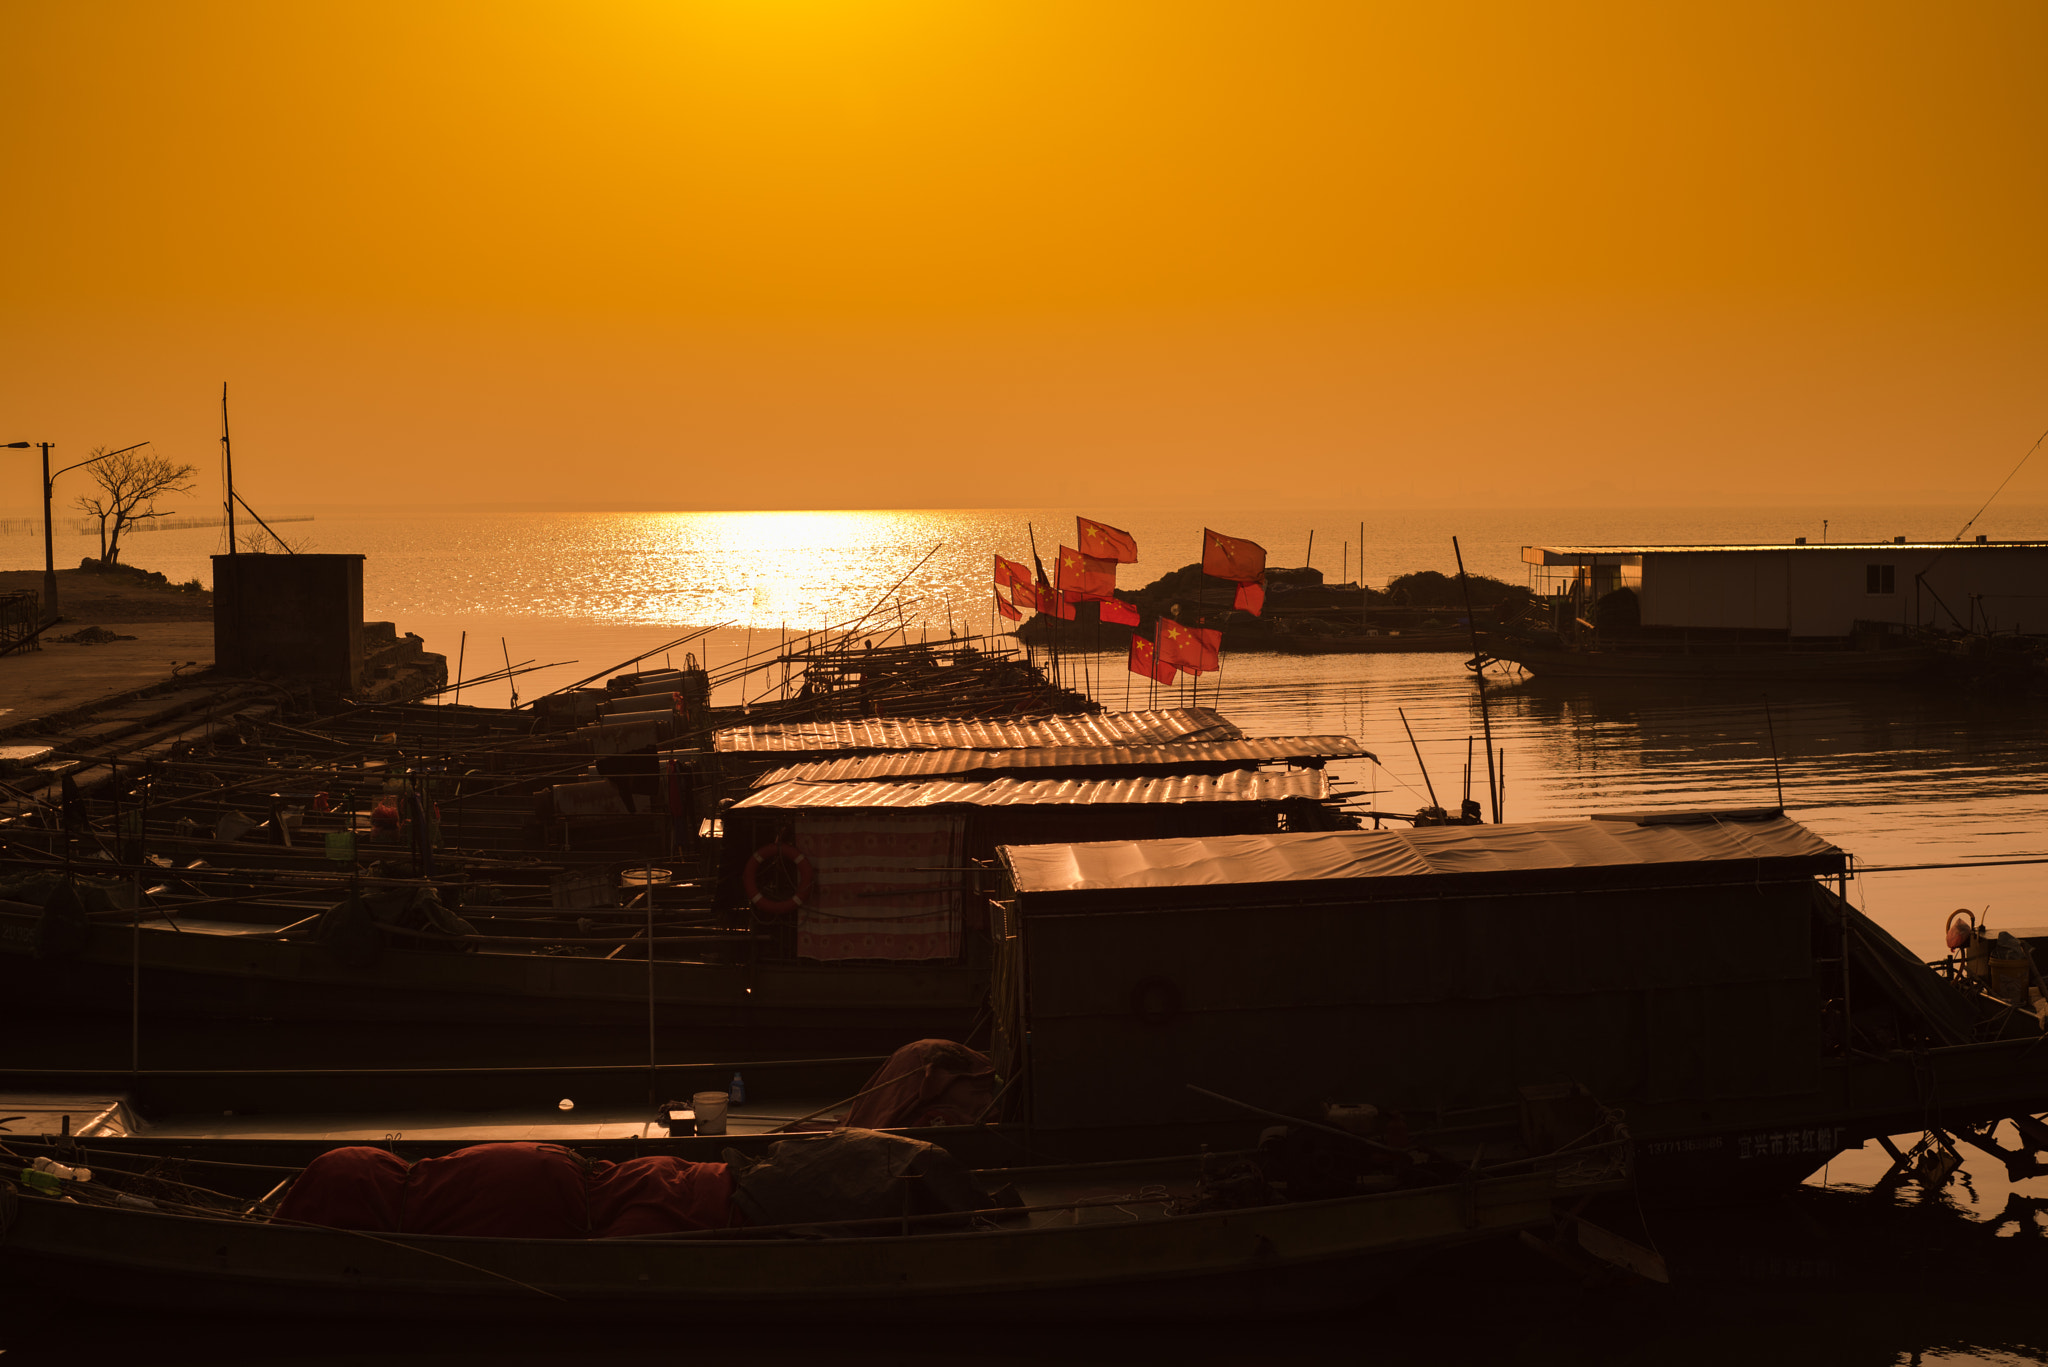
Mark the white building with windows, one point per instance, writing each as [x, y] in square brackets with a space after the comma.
[1811, 592]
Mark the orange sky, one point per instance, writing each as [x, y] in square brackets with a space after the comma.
[818, 253]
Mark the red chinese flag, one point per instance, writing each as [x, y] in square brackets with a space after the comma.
[1146, 664]
[1210, 641]
[1227, 557]
[1178, 646]
[1118, 612]
[1105, 542]
[1056, 606]
[1250, 598]
[1083, 576]
[1007, 610]
[1099, 576]
[1010, 572]
[1023, 595]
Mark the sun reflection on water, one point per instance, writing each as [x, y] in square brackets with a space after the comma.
[762, 570]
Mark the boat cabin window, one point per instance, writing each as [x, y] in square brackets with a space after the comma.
[1877, 579]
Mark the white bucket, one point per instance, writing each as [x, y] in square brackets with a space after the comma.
[710, 1109]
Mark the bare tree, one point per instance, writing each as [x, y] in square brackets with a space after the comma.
[130, 483]
[260, 540]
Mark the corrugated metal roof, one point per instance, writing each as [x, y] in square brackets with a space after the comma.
[1011, 792]
[903, 764]
[1166, 726]
[1572, 555]
[1424, 852]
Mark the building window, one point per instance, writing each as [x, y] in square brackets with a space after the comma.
[1877, 579]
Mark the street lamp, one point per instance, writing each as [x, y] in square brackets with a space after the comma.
[49, 491]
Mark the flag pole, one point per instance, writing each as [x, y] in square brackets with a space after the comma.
[1098, 641]
[1201, 610]
[1039, 565]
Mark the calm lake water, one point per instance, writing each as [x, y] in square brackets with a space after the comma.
[1896, 777]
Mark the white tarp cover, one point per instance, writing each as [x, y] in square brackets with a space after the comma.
[888, 885]
[1433, 851]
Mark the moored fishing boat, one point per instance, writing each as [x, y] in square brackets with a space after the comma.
[1861, 612]
[501, 910]
[1223, 1235]
[1693, 968]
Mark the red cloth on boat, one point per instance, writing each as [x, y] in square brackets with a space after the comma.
[508, 1191]
[931, 1082]
[499, 1191]
[656, 1195]
[352, 1188]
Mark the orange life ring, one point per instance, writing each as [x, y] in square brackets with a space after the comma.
[790, 873]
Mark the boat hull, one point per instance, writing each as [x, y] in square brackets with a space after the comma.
[1819, 666]
[233, 977]
[1274, 1259]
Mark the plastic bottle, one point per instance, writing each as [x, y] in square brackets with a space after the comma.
[737, 1090]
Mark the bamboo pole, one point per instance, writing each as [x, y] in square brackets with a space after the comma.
[1479, 677]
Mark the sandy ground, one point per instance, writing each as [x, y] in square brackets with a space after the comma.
[173, 631]
[58, 678]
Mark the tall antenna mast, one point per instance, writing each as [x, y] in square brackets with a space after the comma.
[227, 455]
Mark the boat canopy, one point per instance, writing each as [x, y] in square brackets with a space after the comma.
[1633, 555]
[1657, 960]
[1147, 790]
[1163, 727]
[918, 764]
[1726, 846]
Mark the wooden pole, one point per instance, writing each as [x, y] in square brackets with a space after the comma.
[1479, 677]
[749, 655]
[1418, 758]
[135, 945]
[653, 1071]
[1776, 772]
[227, 456]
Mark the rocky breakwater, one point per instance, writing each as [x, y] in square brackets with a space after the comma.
[397, 667]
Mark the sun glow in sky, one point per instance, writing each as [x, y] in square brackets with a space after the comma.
[819, 253]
